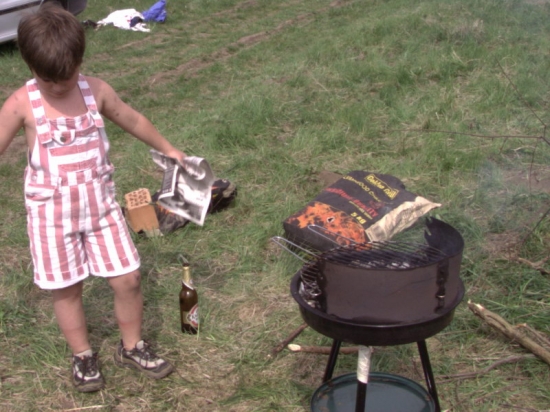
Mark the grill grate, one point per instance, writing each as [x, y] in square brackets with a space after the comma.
[309, 288]
[384, 255]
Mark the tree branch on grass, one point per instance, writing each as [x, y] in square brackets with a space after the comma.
[458, 405]
[536, 225]
[541, 338]
[469, 375]
[293, 335]
[484, 136]
[323, 350]
[511, 332]
[525, 102]
[535, 265]
[541, 137]
[520, 408]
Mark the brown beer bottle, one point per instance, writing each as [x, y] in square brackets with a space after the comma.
[189, 301]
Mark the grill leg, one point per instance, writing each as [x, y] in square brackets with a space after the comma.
[361, 397]
[363, 369]
[428, 374]
[332, 359]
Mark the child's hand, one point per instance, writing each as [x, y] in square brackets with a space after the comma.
[176, 154]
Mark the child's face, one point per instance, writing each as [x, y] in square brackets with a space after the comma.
[57, 89]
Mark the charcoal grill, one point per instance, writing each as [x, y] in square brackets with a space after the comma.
[383, 294]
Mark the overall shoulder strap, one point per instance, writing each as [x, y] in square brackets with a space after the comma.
[90, 100]
[43, 134]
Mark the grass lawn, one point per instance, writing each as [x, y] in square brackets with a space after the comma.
[450, 96]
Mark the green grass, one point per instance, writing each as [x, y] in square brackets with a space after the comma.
[272, 93]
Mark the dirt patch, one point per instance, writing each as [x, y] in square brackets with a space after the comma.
[502, 244]
[536, 180]
[192, 67]
[507, 243]
[241, 6]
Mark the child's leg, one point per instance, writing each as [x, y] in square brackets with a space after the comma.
[128, 307]
[69, 312]
[133, 351]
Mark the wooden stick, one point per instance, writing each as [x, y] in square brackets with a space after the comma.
[467, 375]
[498, 323]
[323, 350]
[535, 265]
[517, 408]
[539, 337]
[289, 339]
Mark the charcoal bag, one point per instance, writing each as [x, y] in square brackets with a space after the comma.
[359, 207]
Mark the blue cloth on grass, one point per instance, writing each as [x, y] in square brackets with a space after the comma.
[156, 13]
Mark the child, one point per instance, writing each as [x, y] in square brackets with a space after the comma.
[74, 224]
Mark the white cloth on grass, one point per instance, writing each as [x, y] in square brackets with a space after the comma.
[122, 19]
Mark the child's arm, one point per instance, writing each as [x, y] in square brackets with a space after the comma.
[130, 120]
[12, 116]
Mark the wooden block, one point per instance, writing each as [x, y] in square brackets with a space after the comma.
[140, 213]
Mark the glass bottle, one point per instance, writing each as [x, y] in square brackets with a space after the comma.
[189, 301]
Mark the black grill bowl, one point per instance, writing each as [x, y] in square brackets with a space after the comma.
[360, 333]
[388, 283]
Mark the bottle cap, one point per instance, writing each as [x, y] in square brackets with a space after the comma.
[183, 260]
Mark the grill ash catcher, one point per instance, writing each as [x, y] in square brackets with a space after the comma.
[379, 294]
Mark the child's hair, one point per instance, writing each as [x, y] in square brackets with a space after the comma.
[52, 42]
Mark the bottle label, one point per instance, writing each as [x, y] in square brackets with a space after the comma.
[192, 317]
[188, 284]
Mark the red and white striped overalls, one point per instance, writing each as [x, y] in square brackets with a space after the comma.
[74, 224]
